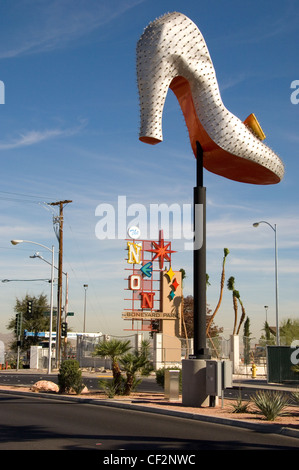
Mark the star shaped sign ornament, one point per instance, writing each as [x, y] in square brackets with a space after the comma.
[162, 251]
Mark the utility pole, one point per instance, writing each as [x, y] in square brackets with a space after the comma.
[61, 205]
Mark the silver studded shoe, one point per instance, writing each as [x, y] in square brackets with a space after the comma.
[172, 53]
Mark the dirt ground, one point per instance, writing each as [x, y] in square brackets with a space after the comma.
[289, 419]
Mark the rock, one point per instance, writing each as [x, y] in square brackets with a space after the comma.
[84, 390]
[45, 386]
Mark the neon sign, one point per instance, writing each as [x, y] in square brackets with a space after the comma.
[154, 288]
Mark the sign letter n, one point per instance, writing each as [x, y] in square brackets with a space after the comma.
[147, 299]
[134, 252]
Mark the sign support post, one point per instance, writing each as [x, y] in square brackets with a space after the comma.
[199, 262]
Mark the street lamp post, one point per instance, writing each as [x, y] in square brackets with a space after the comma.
[16, 242]
[256, 224]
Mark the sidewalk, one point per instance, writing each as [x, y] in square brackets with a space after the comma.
[262, 383]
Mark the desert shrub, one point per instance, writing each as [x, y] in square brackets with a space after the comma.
[70, 377]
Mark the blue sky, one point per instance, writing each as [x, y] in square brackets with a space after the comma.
[69, 130]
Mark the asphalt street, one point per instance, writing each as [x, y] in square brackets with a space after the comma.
[39, 423]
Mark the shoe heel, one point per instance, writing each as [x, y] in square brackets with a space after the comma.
[153, 83]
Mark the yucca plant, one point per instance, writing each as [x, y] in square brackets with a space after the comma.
[270, 403]
[240, 406]
[295, 396]
[226, 252]
[242, 316]
[231, 287]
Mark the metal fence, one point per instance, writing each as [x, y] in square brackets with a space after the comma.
[220, 348]
[85, 348]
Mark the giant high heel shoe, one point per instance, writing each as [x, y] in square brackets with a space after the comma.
[172, 53]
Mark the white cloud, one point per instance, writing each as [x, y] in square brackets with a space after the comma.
[34, 137]
[55, 24]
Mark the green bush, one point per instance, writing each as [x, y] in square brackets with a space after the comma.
[70, 377]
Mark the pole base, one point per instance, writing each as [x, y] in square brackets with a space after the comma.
[194, 383]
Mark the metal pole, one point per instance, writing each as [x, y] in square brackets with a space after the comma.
[256, 224]
[199, 262]
[51, 313]
[276, 289]
[85, 287]
[19, 332]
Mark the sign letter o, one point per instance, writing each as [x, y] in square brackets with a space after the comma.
[135, 282]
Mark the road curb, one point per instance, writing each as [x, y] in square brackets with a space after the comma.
[260, 427]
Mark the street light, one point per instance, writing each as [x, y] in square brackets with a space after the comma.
[16, 242]
[37, 255]
[256, 224]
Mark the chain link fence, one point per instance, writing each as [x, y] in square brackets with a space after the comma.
[250, 351]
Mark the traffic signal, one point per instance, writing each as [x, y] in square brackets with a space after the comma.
[64, 329]
[18, 322]
[29, 308]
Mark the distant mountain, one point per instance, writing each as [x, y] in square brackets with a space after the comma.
[7, 338]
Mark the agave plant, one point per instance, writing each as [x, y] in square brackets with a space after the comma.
[295, 396]
[270, 403]
[239, 406]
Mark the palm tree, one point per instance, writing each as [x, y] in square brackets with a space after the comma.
[133, 362]
[114, 349]
[231, 287]
[226, 252]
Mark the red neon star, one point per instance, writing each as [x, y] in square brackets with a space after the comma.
[161, 250]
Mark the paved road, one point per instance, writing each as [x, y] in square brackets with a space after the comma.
[38, 423]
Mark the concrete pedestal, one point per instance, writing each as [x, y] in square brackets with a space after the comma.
[235, 353]
[194, 383]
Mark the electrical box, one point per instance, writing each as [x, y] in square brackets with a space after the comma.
[227, 374]
[213, 377]
[218, 376]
